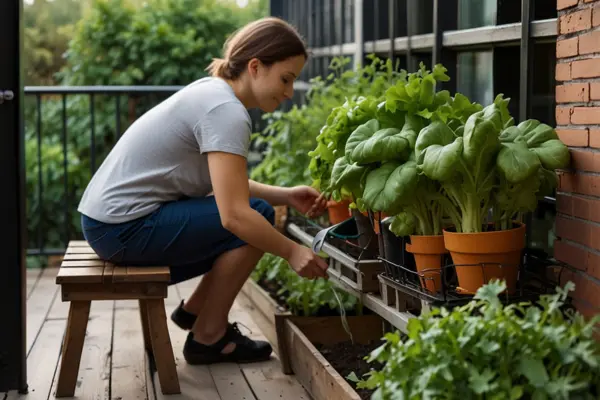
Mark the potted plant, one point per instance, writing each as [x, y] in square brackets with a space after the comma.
[487, 350]
[489, 164]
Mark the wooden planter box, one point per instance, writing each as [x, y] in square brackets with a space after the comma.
[263, 309]
[299, 356]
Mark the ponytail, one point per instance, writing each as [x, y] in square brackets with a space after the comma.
[220, 68]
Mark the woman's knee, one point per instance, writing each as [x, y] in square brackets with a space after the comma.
[264, 208]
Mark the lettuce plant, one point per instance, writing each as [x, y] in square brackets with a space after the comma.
[486, 350]
[489, 163]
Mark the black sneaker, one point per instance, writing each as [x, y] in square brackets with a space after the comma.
[246, 350]
[182, 318]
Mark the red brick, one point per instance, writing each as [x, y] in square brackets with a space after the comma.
[588, 311]
[585, 115]
[581, 183]
[574, 256]
[586, 290]
[596, 16]
[567, 47]
[563, 72]
[595, 138]
[585, 68]
[585, 160]
[562, 4]
[574, 137]
[576, 231]
[595, 90]
[593, 266]
[577, 206]
[589, 43]
[563, 115]
[576, 21]
[589, 1]
[573, 93]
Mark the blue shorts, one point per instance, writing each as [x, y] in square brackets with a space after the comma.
[185, 235]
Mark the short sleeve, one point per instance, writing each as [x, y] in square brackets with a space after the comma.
[226, 128]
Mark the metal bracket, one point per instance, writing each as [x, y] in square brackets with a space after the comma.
[6, 95]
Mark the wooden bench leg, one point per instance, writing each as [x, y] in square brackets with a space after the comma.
[79, 313]
[145, 325]
[161, 346]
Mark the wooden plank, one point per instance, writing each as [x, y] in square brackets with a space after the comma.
[262, 309]
[148, 274]
[128, 375]
[109, 270]
[43, 359]
[195, 380]
[162, 348]
[266, 378]
[141, 274]
[329, 330]
[79, 250]
[121, 291]
[312, 369]
[38, 304]
[75, 257]
[78, 243]
[80, 275]
[230, 382]
[82, 263]
[73, 347]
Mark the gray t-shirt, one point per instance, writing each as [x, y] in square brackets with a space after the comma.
[163, 155]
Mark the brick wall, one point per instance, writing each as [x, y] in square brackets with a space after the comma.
[578, 125]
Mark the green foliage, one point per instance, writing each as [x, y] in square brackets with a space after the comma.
[302, 297]
[48, 26]
[165, 42]
[486, 350]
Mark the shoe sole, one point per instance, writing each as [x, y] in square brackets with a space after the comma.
[204, 361]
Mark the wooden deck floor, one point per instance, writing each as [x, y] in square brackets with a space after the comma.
[114, 365]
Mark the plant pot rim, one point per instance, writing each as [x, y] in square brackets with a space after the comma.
[521, 226]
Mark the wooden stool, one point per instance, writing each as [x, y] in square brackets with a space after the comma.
[84, 277]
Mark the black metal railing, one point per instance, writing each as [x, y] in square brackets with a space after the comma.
[68, 131]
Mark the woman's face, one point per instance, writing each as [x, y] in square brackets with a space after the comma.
[273, 84]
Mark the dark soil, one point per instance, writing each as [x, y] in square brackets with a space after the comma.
[346, 358]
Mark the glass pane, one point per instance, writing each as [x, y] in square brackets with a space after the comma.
[476, 13]
[476, 76]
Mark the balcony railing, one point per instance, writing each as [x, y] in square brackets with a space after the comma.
[68, 132]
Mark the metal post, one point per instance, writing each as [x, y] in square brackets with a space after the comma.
[359, 34]
[526, 82]
[13, 367]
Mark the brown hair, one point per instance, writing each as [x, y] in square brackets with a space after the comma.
[268, 39]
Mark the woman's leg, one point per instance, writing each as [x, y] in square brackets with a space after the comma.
[221, 285]
[189, 237]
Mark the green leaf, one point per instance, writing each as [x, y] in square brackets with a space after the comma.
[553, 154]
[438, 151]
[352, 377]
[388, 186]
[516, 162]
[533, 369]
[403, 224]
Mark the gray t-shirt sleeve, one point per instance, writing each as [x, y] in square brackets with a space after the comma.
[225, 128]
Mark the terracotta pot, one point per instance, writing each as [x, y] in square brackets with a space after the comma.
[428, 252]
[338, 211]
[486, 256]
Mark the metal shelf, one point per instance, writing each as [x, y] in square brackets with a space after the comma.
[374, 302]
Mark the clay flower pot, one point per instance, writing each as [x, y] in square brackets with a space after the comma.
[483, 256]
[338, 211]
[428, 252]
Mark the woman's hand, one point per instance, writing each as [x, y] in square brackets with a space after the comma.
[307, 200]
[307, 264]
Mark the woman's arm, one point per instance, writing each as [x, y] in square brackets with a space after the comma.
[232, 193]
[274, 195]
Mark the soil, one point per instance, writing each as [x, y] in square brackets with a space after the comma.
[346, 358]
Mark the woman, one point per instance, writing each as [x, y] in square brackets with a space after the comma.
[174, 190]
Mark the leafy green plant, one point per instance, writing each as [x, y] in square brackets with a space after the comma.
[301, 296]
[487, 350]
[489, 163]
